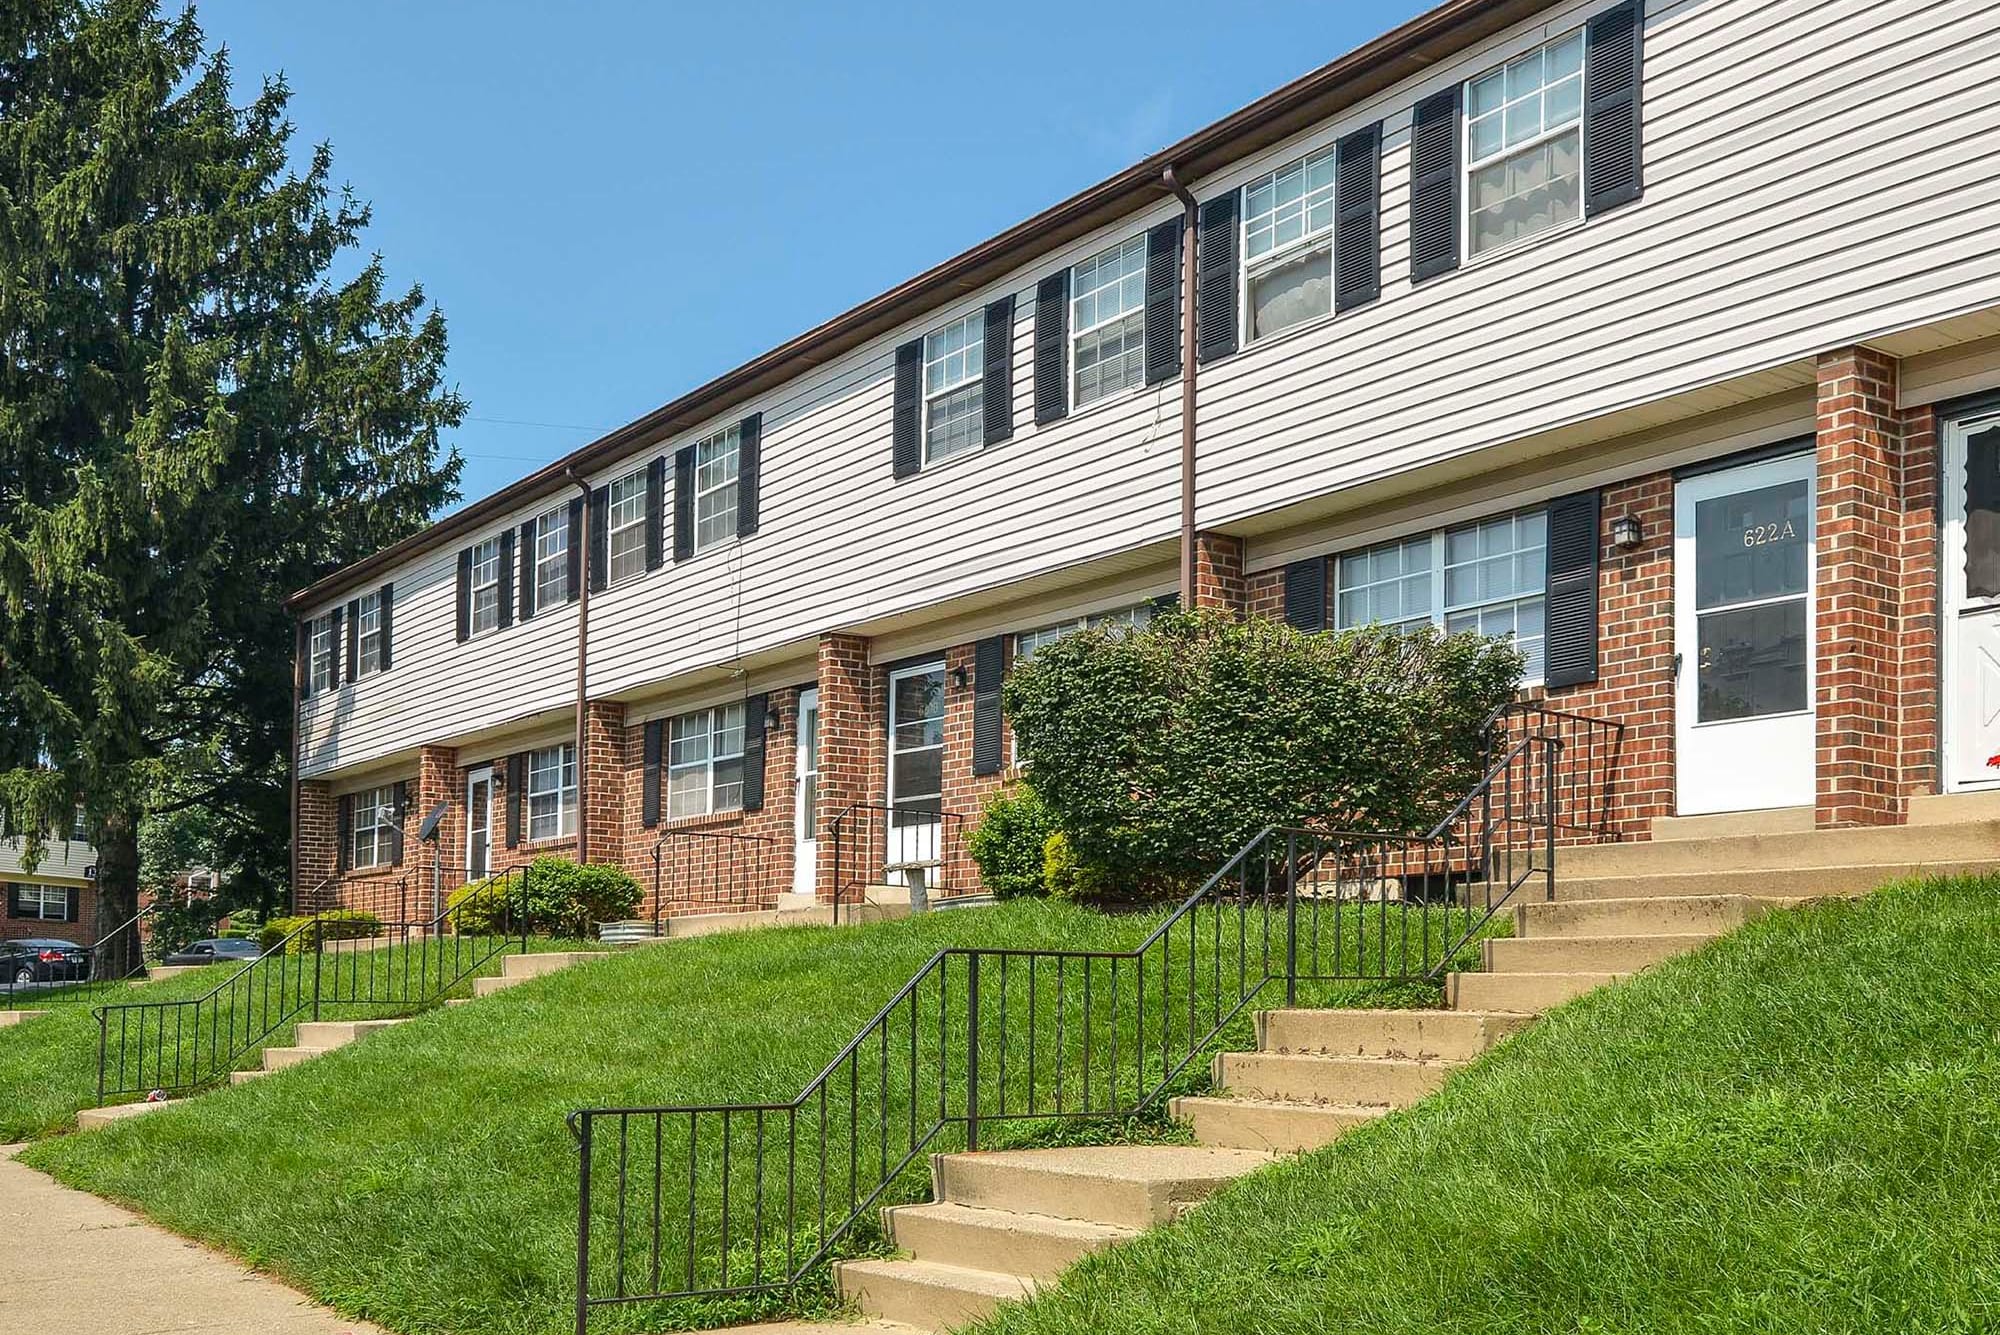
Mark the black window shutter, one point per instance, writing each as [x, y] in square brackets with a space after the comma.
[1434, 171]
[1571, 644]
[71, 903]
[353, 636]
[1052, 348]
[906, 419]
[528, 590]
[749, 445]
[14, 892]
[517, 791]
[465, 595]
[988, 664]
[1163, 302]
[755, 716]
[575, 548]
[600, 538]
[1166, 602]
[656, 501]
[649, 807]
[1613, 54]
[306, 649]
[1357, 229]
[401, 802]
[997, 393]
[388, 623]
[684, 503]
[1305, 594]
[343, 832]
[1215, 279]
[505, 592]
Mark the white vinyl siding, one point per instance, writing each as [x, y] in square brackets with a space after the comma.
[552, 792]
[1524, 145]
[1107, 314]
[1288, 246]
[705, 762]
[1488, 577]
[325, 666]
[715, 471]
[954, 399]
[486, 586]
[625, 522]
[368, 634]
[552, 539]
[374, 819]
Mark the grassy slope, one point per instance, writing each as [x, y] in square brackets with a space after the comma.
[1794, 1130]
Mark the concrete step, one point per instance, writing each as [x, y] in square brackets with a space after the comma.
[535, 965]
[1034, 1245]
[1733, 824]
[1417, 1034]
[277, 1059]
[1872, 845]
[1377, 1082]
[1528, 993]
[1587, 954]
[1702, 915]
[327, 1034]
[486, 987]
[925, 1294]
[1274, 1125]
[9, 1018]
[90, 1119]
[1955, 808]
[1815, 882]
[1132, 1186]
[245, 1077]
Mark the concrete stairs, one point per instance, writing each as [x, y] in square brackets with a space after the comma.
[316, 1037]
[518, 969]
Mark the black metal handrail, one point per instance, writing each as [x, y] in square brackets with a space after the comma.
[710, 869]
[712, 1200]
[114, 960]
[1591, 748]
[874, 841]
[328, 960]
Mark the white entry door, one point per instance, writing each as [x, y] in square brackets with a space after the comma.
[805, 861]
[478, 823]
[1743, 637]
[916, 765]
[1972, 601]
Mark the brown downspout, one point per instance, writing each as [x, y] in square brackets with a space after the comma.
[300, 666]
[582, 536]
[1188, 228]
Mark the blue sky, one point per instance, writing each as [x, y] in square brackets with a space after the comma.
[616, 201]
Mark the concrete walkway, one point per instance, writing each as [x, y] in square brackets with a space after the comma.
[76, 1265]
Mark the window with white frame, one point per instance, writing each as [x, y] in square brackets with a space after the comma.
[1107, 321]
[954, 397]
[368, 634]
[552, 792]
[485, 586]
[625, 522]
[1488, 576]
[79, 827]
[42, 903]
[705, 761]
[325, 654]
[715, 469]
[552, 557]
[1524, 146]
[1028, 643]
[1288, 245]
[374, 823]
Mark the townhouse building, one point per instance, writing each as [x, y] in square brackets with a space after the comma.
[1663, 335]
[58, 898]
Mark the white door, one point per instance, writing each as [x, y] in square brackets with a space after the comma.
[1972, 602]
[805, 813]
[1743, 631]
[478, 823]
[916, 765]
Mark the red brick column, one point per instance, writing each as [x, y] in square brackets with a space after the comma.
[1858, 545]
[317, 855]
[1922, 626]
[439, 779]
[1218, 572]
[851, 741]
[1264, 594]
[602, 819]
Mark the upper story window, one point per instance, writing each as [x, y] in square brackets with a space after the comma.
[552, 557]
[1288, 245]
[485, 588]
[325, 662]
[374, 823]
[954, 397]
[625, 521]
[552, 792]
[715, 474]
[1524, 154]
[1108, 322]
[368, 634]
[79, 827]
[1490, 576]
[705, 762]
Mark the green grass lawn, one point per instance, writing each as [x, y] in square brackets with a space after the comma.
[1797, 1129]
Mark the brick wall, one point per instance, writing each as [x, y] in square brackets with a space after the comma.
[1264, 594]
[84, 931]
[852, 703]
[965, 793]
[1218, 571]
[601, 812]
[1920, 637]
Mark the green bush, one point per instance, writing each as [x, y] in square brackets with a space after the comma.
[1069, 878]
[1159, 753]
[1009, 842]
[334, 925]
[561, 898]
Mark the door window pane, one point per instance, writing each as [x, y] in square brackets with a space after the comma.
[1752, 661]
[919, 710]
[1752, 545]
[1982, 514]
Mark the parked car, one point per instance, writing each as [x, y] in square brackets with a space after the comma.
[43, 959]
[214, 950]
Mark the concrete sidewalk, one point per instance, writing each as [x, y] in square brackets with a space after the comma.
[76, 1265]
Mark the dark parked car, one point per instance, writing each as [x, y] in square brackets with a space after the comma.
[214, 950]
[42, 959]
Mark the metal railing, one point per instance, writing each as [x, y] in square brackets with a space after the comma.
[879, 843]
[709, 1200]
[328, 961]
[114, 959]
[1590, 748]
[713, 871]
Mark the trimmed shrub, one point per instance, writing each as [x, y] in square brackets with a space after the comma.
[1158, 753]
[562, 898]
[334, 925]
[1009, 843]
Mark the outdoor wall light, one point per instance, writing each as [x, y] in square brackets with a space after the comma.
[959, 679]
[1625, 533]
